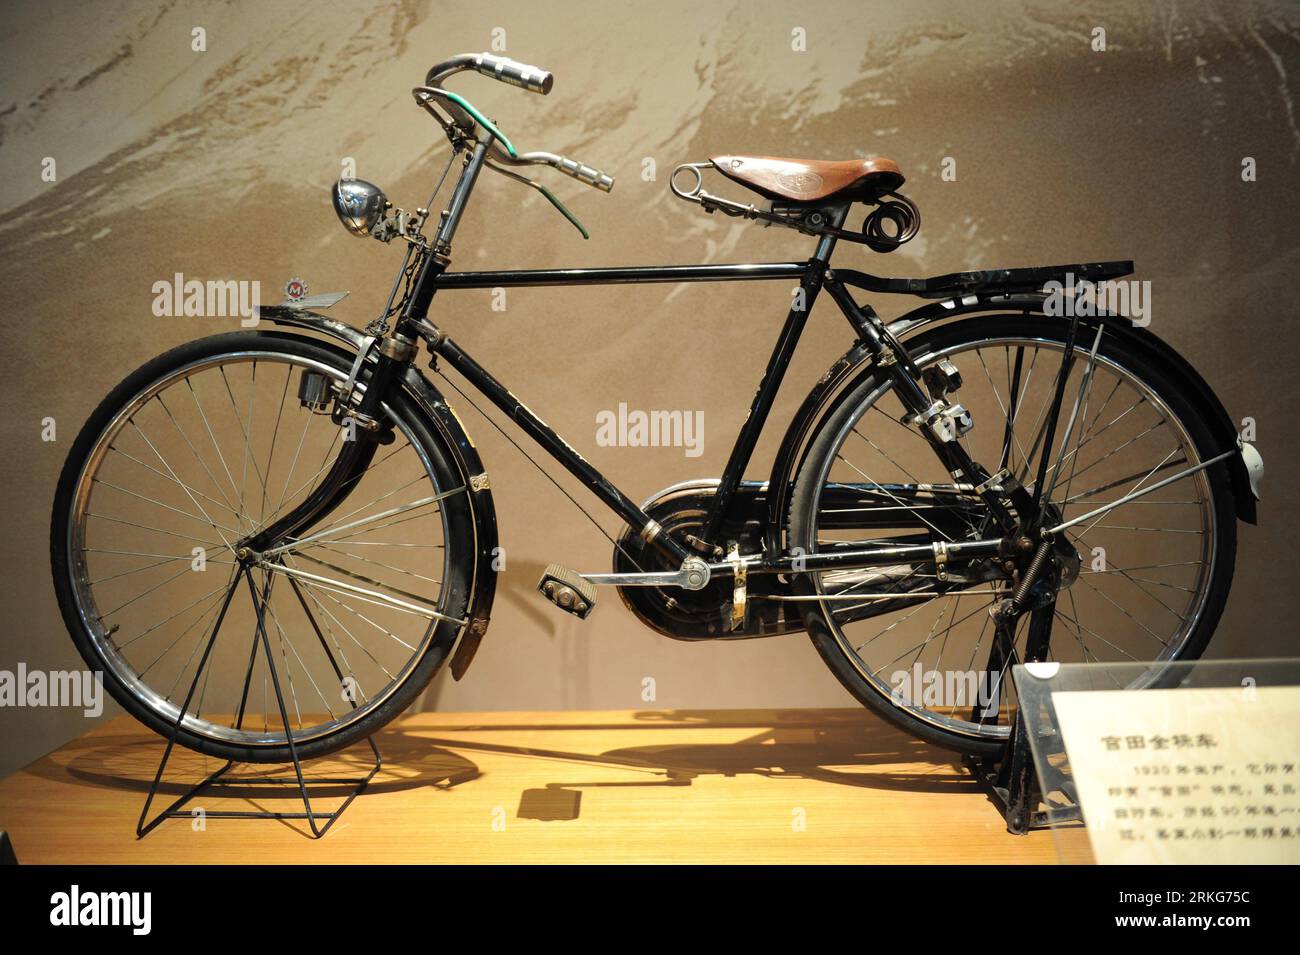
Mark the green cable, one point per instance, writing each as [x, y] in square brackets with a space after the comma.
[550, 196]
[482, 120]
[487, 124]
[564, 211]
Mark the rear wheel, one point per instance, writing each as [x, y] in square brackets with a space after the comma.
[195, 453]
[1151, 576]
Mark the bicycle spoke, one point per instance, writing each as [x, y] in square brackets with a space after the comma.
[207, 425]
[334, 529]
[185, 487]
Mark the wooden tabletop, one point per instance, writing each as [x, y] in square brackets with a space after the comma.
[654, 786]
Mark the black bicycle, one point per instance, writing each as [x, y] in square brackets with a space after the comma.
[308, 496]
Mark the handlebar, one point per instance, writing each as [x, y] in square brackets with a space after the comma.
[592, 177]
[505, 70]
[532, 78]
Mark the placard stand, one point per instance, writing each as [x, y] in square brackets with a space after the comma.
[1156, 824]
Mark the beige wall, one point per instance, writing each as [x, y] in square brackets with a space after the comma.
[216, 165]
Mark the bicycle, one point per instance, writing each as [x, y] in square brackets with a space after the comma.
[364, 576]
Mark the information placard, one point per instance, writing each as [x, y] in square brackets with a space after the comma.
[1188, 775]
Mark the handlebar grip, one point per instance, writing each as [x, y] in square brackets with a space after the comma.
[592, 177]
[532, 78]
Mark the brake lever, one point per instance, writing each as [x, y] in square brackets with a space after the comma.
[503, 151]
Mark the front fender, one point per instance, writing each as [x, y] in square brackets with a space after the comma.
[468, 463]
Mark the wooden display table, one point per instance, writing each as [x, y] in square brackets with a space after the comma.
[708, 786]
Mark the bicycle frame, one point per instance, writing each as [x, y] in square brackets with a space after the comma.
[812, 276]
[874, 336]
[809, 276]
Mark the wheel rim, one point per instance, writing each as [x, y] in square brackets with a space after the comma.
[929, 632]
[224, 442]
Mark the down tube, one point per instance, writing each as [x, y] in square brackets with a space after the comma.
[558, 448]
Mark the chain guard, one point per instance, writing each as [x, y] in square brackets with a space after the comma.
[704, 614]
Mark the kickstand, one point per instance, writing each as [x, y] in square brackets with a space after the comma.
[1025, 801]
[1011, 783]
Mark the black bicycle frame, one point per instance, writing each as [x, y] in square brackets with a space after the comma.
[812, 276]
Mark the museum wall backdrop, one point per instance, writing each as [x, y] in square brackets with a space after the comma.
[218, 164]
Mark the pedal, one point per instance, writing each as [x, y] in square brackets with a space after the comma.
[568, 591]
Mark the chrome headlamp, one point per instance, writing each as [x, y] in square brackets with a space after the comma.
[360, 205]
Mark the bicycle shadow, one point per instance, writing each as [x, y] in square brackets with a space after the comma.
[836, 747]
[847, 748]
[127, 762]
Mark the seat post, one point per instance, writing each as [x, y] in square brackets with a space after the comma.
[826, 244]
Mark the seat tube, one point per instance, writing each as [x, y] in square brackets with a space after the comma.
[809, 285]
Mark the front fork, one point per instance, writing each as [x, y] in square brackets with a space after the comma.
[394, 350]
[363, 431]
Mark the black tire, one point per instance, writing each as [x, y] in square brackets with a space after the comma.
[1142, 362]
[458, 523]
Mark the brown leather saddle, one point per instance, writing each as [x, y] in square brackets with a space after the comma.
[812, 180]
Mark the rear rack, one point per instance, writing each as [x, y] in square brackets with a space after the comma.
[987, 280]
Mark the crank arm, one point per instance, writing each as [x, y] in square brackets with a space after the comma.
[686, 578]
[667, 578]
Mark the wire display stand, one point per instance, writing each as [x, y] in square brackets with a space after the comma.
[319, 822]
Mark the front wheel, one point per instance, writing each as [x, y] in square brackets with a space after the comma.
[1146, 581]
[183, 464]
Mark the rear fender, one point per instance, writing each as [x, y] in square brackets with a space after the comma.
[856, 364]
